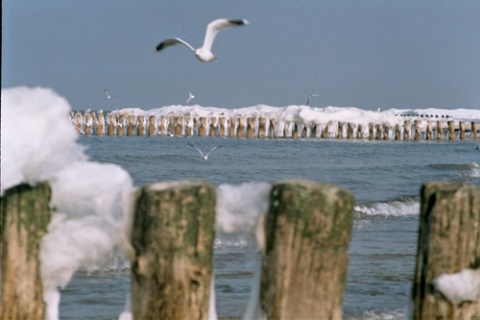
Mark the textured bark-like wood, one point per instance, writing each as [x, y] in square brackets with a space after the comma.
[121, 125]
[131, 124]
[141, 125]
[213, 127]
[88, 124]
[370, 131]
[112, 124]
[295, 131]
[250, 127]
[398, 132]
[202, 126]
[173, 232]
[350, 129]
[171, 125]
[461, 128]
[272, 128]
[241, 127]
[262, 127]
[406, 131]
[448, 241]
[179, 126]
[386, 132]
[418, 131]
[451, 130]
[79, 122]
[25, 214]
[360, 132]
[189, 126]
[221, 130]
[308, 230]
[161, 126]
[340, 130]
[474, 130]
[152, 123]
[325, 132]
[378, 131]
[439, 130]
[233, 126]
[100, 124]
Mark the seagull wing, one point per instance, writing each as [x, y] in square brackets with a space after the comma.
[213, 149]
[217, 25]
[193, 146]
[171, 42]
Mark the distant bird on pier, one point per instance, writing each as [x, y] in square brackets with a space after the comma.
[204, 53]
[108, 95]
[190, 97]
[311, 96]
[205, 157]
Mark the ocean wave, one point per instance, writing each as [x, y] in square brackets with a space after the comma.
[396, 208]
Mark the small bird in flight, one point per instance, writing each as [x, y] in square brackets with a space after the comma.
[190, 97]
[108, 95]
[204, 53]
[205, 157]
[311, 96]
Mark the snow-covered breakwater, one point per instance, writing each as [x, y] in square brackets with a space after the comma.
[287, 122]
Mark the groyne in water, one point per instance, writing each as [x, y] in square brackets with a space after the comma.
[291, 122]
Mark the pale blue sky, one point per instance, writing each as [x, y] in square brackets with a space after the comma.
[368, 54]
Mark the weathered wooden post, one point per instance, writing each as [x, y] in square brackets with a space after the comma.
[233, 125]
[295, 131]
[78, 122]
[461, 128]
[25, 215]
[88, 123]
[202, 126]
[173, 232]
[448, 242]
[474, 130]
[152, 123]
[418, 131]
[360, 132]
[308, 230]
[406, 130]
[121, 125]
[161, 126]
[100, 124]
[262, 127]
[370, 131]
[141, 125]
[131, 124]
[439, 130]
[304, 132]
[340, 130]
[429, 133]
[112, 124]
[314, 132]
[272, 128]
[241, 127]
[171, 125]
[250, 127]
[386, 132]
[222, 129]
[179, 126]
[398, 131]
[378, 131]
[451, 130]
[189, 126]
[325, 132]
[350, 129]
[213, 127]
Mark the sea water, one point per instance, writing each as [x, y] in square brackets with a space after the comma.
[384, 176]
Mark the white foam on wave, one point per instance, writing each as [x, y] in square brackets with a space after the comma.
[91, 202]
[405, 207]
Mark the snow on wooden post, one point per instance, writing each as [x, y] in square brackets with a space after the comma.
[439, 130]
[451, 130]
[340, 130]
[189, 126]
[141, 125]
[25, 215]
[161, 126]
[448, 242]
[429, 133]
[121, 125]
[273, 126]
[171, 126]
[308, 230]
[325, 131]
[88, 123]
[241, 127]
[250, 127]
[262, 127]
[295, 131]
[112, 124]
[152, 123]
[172, 235]
[79, 122]
[360, 132]
[418, 130]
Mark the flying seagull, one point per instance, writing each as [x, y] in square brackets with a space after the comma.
[205, 157]
[204, 53]
[190, 96]
[107, 94]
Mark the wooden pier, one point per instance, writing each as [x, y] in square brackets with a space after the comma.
[261, 127]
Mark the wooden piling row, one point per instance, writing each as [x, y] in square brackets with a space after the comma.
[307, 233]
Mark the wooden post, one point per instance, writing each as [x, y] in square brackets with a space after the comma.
[272, 128]
[179, 126]
[448, 242]
[241, 127]
[295, 131]
[189, 126]
[221, 130]
[418, 132]
[78, 122]
[386, 132]
[100, 124]
[474, 130]
[88, 123]
[161, 126]
[213, 127]
[406, 130]
[152, 123]
[451, 130]
[370, 131]
[121, 125]
[439, 130]
[171, 126]
[429, 134]
[314, 133]
[350, 129]
[340, 130]
[262, 127]
[398, 132]
[141, 125]
[173, 232]
[25, 215]
[233, 125]
[112, 124]
[131, 124]
[304, 132]
[308, 230]
[325, 132]
[461, 128]
[360, 132]
[202, 126]
[250, 127]
[378, 131]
